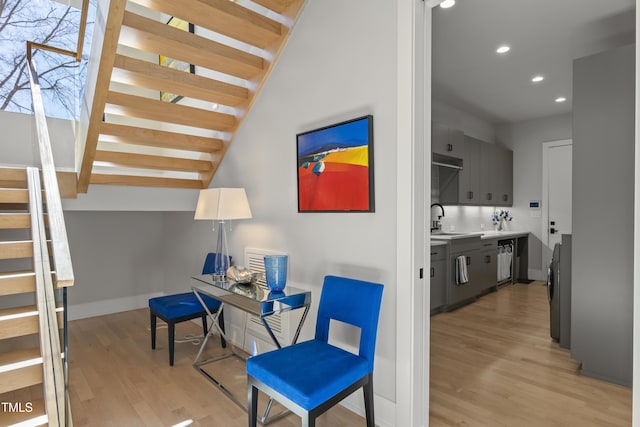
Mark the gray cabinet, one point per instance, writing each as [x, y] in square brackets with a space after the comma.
[470, 249]
[489, 258]
[438, 277]
[447, 141]
[486, 178]
[469, 176]
[496, 178]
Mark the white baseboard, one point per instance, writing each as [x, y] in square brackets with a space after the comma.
[110, 306]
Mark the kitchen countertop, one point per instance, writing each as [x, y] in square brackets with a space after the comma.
[438, 242]
[482, 234]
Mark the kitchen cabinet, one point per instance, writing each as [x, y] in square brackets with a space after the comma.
[496, 178]
[438, 277]
[470, 248]
[486, 177]
[447, 141]
[488, 257]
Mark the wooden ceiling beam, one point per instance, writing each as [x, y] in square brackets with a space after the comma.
[152, 109]
[153, 76]
[158, 138]
[222, 16]
[145, 181]
[153, 36]
[145, 161]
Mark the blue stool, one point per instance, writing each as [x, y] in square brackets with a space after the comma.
[181, 307]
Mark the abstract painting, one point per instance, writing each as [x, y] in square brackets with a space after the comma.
[335, 167]
[174, 63]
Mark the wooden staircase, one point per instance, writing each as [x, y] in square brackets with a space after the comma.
[22, 355]
[131, 136]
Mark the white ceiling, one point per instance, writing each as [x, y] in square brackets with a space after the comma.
[545, 36]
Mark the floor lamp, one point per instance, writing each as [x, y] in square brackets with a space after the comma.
[222, 204]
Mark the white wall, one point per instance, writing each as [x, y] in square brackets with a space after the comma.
[458, 119]
[525, 139]
[117, 260]
[332, 69]
[20, 142]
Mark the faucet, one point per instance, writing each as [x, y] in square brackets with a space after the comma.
[435, 225]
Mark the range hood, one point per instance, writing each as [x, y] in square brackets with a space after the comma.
[446, 161]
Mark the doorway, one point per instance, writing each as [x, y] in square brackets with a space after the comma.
[556, 193]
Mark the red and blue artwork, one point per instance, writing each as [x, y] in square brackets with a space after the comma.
[335, 168]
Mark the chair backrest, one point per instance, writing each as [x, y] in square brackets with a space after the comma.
[354, 302]
[210, 262]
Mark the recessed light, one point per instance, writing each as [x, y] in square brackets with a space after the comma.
[561, 99]
[446, 4]
[503, 49]
[537, 79]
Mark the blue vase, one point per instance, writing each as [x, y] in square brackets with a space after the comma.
[275, 268]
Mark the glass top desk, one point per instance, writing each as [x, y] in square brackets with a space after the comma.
[254, 300]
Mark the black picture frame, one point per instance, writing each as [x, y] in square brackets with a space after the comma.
[335, 167]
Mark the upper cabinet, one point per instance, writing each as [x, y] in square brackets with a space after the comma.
[486, 177]
[447, 141]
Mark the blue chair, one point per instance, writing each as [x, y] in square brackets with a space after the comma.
[182, 307]
[311, 377]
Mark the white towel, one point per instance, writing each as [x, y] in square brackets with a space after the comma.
[462, 276]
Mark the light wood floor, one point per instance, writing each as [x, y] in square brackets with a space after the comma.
[494, 364]
[117, 380]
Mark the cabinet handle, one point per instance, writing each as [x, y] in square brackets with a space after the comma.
[470, 195]
[433, 271]
[487, 259]
[449, 147]
[434, 253]
[488, 244]
[489, 196]
[505, 198]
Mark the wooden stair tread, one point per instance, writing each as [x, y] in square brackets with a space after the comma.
[15, 220]
[14, 195]
[19, 282]
[227, 18]
[275, 5]
[21, 321]
[17, 356]
[152, 109]
[153, 36]
[145, 181]
[153, 162]
[37, 410]
[16, 249]
[157, 138]
[13, 174]
[154, 76]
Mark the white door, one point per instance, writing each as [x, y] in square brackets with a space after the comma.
[558, 203]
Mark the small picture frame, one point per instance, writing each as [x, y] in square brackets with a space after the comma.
[174, 63]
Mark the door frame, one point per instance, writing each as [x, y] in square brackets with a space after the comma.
[546, 146]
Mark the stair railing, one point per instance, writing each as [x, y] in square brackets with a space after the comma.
[55, 373]
[50, 350]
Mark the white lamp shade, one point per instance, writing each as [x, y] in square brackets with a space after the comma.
[223, 204]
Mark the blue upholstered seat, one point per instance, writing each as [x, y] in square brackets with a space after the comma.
[181, 307]
[312, 376]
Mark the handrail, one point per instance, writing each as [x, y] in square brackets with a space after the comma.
[57, 228]
[53, 370]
